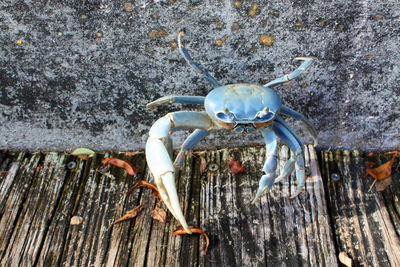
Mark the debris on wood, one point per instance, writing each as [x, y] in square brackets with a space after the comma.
[382, 171]
[130, 214]
[195, 230]
[159, 214]
[143, 183]
[76, 220]
[203, 164]
[235, 166]
[130, 169]
[106, 174]
[83, 153]
[133, 153]
[345, 260]
[382, 184]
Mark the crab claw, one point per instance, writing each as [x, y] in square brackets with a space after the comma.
[160, 165]
[265, 184]
[167, 189]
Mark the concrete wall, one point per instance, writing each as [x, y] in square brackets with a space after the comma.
[79, 73]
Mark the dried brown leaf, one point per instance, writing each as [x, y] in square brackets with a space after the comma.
[235, 166]
[143, 183]
[382, 171]
[130, 169]
[130, 214]
[159, 214]
[203, 164]
[381, 185]
[195, 230]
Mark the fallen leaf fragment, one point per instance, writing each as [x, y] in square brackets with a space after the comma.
[83, 153]
[382, 184]
[130, 214]
[203, 164]
[143, 183]
[76, 220]
[195, 230]
[159, 214]
[133, 153]
[344, 259]
[130, 169]
[235, 166]
[382, 171]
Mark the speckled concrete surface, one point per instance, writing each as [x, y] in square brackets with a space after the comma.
[79, 73]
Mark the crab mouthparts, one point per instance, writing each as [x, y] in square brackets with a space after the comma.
[241, 127]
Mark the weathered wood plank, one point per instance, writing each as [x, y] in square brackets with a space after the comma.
[36, 212]
[275, 231]
[362, 225]
[100, 202]
[54, 242]
[39, 196]
[13, 196]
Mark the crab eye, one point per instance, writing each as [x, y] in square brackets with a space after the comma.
[265, 115]
[225, 115]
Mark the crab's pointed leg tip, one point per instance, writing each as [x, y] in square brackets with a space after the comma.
[315, 143]
[257, 197]
[298, 191]
[260, 193]
[277, 180]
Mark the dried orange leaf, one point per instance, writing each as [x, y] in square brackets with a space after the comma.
[382, 184]
[159, 214]
[195, 230]
[203, 164]
[382, 171]
[143, 183]
[130, 169]
[235, 166]
[130, 214]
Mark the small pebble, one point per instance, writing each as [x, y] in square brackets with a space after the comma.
[129, 7]
[76, 220]
[266, 39]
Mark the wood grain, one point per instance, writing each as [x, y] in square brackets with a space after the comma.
[39, 195]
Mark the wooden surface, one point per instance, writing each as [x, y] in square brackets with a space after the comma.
[39, 195]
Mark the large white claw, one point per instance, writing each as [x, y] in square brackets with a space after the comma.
[168, 181]
[160, 165]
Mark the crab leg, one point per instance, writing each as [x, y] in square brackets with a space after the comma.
[175, 99]
[270, 164]
[189, 143]
[294, 74]
[194, 65]
[158, 158]
[291, 141]
[310, 128]
[289, 165]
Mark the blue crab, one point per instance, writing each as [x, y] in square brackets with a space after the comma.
[238, 107]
